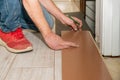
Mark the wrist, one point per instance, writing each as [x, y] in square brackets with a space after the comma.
[46, 33]
[64, 18]
[61, 17]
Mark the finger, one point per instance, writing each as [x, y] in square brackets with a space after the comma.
[72, 30]
[64, 47]
[74, 26]
[67, 45]
[80, 29]
[79, 21]
[81, 24]
[71, 44]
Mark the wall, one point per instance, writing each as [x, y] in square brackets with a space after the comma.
[108, 26]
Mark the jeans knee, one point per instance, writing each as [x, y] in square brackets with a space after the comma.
[51, 22]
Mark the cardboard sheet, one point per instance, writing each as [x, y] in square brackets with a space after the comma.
[84, 62]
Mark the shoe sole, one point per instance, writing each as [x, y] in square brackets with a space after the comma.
[2, 43]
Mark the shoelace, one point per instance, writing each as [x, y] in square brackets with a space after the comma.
[18, 33]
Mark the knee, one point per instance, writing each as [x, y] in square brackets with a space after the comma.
[51, 22]
[28, 1]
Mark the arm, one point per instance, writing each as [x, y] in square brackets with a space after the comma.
[51, 7]
[34, 10]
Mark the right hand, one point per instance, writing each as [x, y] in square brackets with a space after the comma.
[55, 42]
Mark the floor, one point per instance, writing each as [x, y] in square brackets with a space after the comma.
[39, 64]
[42, 63]
[113, 64]
[66, 5]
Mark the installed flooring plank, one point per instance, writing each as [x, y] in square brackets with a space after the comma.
[41, 56]
[6, 59]
[84, 62]
[30, 74]
[58, 65]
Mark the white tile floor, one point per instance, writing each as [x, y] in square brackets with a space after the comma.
[113, 65]
[67, 6]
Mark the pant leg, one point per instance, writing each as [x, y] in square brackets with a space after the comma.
[13, 15]
[10, 11]
[27, 23]
[48, 17]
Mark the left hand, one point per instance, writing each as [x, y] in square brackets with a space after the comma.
[70, 22]
[55, 42]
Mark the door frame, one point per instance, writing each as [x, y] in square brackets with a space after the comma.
[83, 7]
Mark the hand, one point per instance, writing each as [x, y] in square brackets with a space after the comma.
[56, 43]
[70, 22]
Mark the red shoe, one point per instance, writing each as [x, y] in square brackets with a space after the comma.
[15, 41]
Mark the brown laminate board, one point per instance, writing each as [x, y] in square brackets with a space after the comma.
[84, 62]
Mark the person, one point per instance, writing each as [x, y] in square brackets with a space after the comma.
[16, 15]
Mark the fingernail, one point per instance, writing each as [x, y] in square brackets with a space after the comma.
[76, 45]
[75, 29]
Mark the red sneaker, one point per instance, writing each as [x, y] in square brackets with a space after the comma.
[15, 41]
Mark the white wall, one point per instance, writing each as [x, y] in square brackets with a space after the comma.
[116, 28]
[108, 26]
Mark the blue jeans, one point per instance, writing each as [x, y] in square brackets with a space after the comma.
[13, 15]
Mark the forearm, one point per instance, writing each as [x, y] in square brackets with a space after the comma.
[51, 7]
[34, 10]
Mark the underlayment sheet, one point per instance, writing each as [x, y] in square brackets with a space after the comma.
[84, 62]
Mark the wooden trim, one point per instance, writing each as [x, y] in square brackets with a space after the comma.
[83, 7]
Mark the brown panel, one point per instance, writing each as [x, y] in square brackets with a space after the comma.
[84, 62]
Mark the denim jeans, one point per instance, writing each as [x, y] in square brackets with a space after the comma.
[13, 15]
